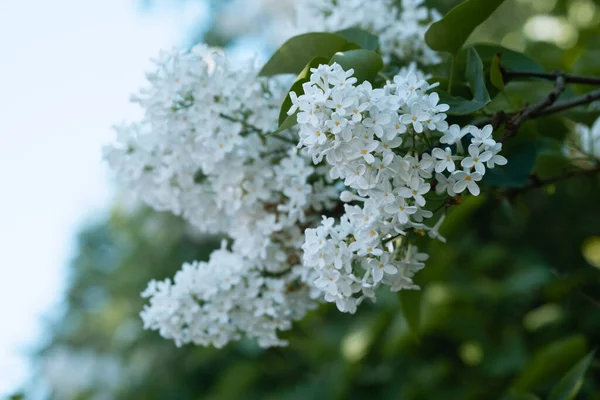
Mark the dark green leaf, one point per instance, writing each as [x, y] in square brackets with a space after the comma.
[521, 159]
[476, 80]
[569, 385]
[360, 37]
[287, 121]
[410, 302]
[451, 32]
[294, 54]
[366, 63]
[496, 74]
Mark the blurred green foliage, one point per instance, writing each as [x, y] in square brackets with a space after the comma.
[509, 305]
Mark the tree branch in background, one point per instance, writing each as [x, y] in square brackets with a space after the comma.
[512, 126]
[569, 78]
[536, 183]
[549, 106]
[571, 103]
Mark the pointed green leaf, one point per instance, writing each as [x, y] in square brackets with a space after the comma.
[287, 121]
[366, 63]
[361, 37]
[496, 74]
[451, 32]
[476, 81]
[410, 302]
[569, 385]
[294, 54]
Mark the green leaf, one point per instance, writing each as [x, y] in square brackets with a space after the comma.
[521, 159]
[476, 80]
[550, 362]
[410, 302]
[366, 63]
[294, 54]
[452, 31]
[287, 121]
[569, 385]
[496, 74]
[360, 37]
[509, 59]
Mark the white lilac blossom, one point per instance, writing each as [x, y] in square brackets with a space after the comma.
[380, 143]
[210, 303]
[400, 25]
[202, 151]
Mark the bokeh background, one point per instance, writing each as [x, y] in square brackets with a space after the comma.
[512, 300]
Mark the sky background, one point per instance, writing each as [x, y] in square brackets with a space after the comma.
[67, 68]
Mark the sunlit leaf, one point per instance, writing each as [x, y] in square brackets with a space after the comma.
[496, 74]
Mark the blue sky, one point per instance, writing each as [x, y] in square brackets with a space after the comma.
[67, 68]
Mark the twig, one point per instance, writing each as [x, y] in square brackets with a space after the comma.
[513, 125]
[574, 102]
[284, 139]
[536, 183]
[569, 78]
[244, 123]
[557, 107]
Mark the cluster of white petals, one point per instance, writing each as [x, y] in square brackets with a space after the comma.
[379, 142]
[210, 303]
[201, 151]
[400, 25]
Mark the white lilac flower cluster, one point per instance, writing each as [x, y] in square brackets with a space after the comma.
[400, 25]
[210, 303]
[201, 151]
[380, 143]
